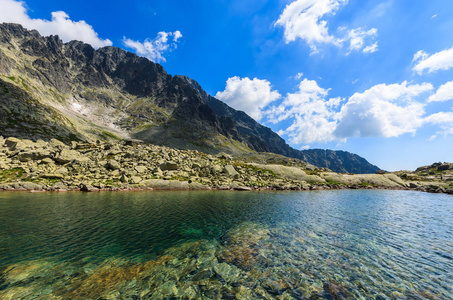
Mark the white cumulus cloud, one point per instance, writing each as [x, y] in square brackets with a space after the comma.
[154, 49]
[442, 60]
[15, 12]
[303, 19]
[444, 93]
[382, 111]
[312, 114]
[248, 95]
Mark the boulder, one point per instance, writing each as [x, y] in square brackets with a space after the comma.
[87, 188]
[169, 166]
[141, 169]
[292, 173]
[31, 186]
[124, 179]
[54, 143]
[52, 176]
[15, 144]
[224, 156]
[67, 155]
[34, 155]
[444, 167]
[62, 171]
[216, 169]
[157, 171]
[136, 179]
[196, 166]
[160, 184]
[47, 161]
[113, 165]
[11, 143]
[230, 171]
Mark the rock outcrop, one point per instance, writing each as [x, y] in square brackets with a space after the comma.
[55, 166]
[72, 92]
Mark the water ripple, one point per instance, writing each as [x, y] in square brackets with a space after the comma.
[156, 245]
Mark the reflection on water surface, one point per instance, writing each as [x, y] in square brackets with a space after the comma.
[224, 245]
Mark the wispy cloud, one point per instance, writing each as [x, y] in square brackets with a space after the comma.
[444, 120]
[357, 38]
[15, 12]
[154, 49]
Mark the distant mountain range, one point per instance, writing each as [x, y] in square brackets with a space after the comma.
[70, 91]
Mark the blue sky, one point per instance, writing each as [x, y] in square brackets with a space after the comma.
[367, 76]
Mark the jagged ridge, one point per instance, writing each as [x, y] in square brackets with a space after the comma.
[74, 92]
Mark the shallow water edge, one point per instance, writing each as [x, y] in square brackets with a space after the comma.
[337, 244]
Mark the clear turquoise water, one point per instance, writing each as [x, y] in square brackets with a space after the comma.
[346, 244]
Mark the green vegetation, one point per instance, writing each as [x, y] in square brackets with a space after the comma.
[109, 135]
[11, 174]
[255, 169]
[310, 172]
[333, 182]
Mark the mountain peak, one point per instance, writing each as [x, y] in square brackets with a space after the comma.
[74, 92]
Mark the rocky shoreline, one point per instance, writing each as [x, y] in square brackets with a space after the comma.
[26, 165]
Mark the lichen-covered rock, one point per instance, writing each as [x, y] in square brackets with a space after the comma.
[31, 186]
[66, 156]
[169, 166]
[136, 179]
[141, 169]
[34, 155]
[113, 165]
[230, 171]
[291, 173]
[52, 176]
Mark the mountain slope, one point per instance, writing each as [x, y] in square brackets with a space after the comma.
[73, 92]
[262, 139]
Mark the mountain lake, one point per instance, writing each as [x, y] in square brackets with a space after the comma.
[342, 244]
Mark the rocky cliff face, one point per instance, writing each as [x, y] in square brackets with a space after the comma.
[262, 139]
[73, 92]
[70, 91]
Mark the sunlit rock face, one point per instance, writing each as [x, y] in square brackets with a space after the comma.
[72, 92]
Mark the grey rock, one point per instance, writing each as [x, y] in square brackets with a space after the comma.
[169, 166]
[34, 155]
[124, 179]
[47, 161]
[229, 273]
[113, 165]
[196, 166]
[11, 143]
[87, 188]
[241, 188]
[62, 171]
[231, 171]
[31, 186]
[141, 169]
[135, 179]
[66, 156]
[52, 176]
